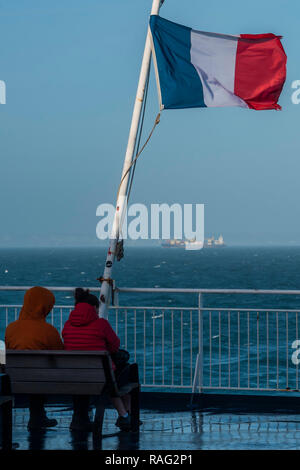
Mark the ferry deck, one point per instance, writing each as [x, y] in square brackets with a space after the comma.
[211, 377]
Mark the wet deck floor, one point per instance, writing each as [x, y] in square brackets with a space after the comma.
[184, 430]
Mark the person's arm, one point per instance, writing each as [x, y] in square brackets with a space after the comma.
[112, 340]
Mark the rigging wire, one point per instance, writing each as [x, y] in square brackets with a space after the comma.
[138, 151]
[141, 125]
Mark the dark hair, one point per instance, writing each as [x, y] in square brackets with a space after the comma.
[83, 295]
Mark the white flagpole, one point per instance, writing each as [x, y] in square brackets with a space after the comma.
[121, 199]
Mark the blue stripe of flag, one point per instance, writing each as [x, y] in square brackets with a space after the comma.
[180, 83]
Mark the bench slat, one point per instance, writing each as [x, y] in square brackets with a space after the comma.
[56, 375]
[44, 362]
[54, 352]
[57, 388]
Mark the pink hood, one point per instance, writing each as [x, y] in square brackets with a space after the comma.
[83, 314]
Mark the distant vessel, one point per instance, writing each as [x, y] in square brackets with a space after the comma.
[193, 244]
[173, 243]
[215, 243]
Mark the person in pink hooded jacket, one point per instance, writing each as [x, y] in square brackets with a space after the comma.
[85, 331]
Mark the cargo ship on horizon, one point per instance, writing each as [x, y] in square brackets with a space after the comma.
[210, 242]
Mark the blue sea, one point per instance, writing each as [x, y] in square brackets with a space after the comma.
[220, 268]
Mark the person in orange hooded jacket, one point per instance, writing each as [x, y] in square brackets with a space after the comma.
[31, 331]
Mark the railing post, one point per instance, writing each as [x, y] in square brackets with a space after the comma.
[200, 365]
[198, 374]
[117, 297]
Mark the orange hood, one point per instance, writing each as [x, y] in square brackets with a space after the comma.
[38, 302]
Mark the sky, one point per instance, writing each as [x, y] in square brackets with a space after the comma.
[71, 69]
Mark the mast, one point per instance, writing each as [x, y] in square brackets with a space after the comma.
[121, 198]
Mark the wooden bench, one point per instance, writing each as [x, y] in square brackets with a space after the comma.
[71, 373]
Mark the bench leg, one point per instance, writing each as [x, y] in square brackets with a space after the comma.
[99, 416]
[135, 398]
[98, 424]
[7, 426]
[135, 408]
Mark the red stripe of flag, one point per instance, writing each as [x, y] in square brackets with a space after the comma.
[260, 70]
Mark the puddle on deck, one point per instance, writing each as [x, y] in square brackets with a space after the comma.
[189, 430]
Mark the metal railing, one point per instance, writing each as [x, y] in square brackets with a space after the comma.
[200, 348]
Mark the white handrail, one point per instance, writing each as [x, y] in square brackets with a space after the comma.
[165, 289]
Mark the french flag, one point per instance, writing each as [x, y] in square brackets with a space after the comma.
[198, 69]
